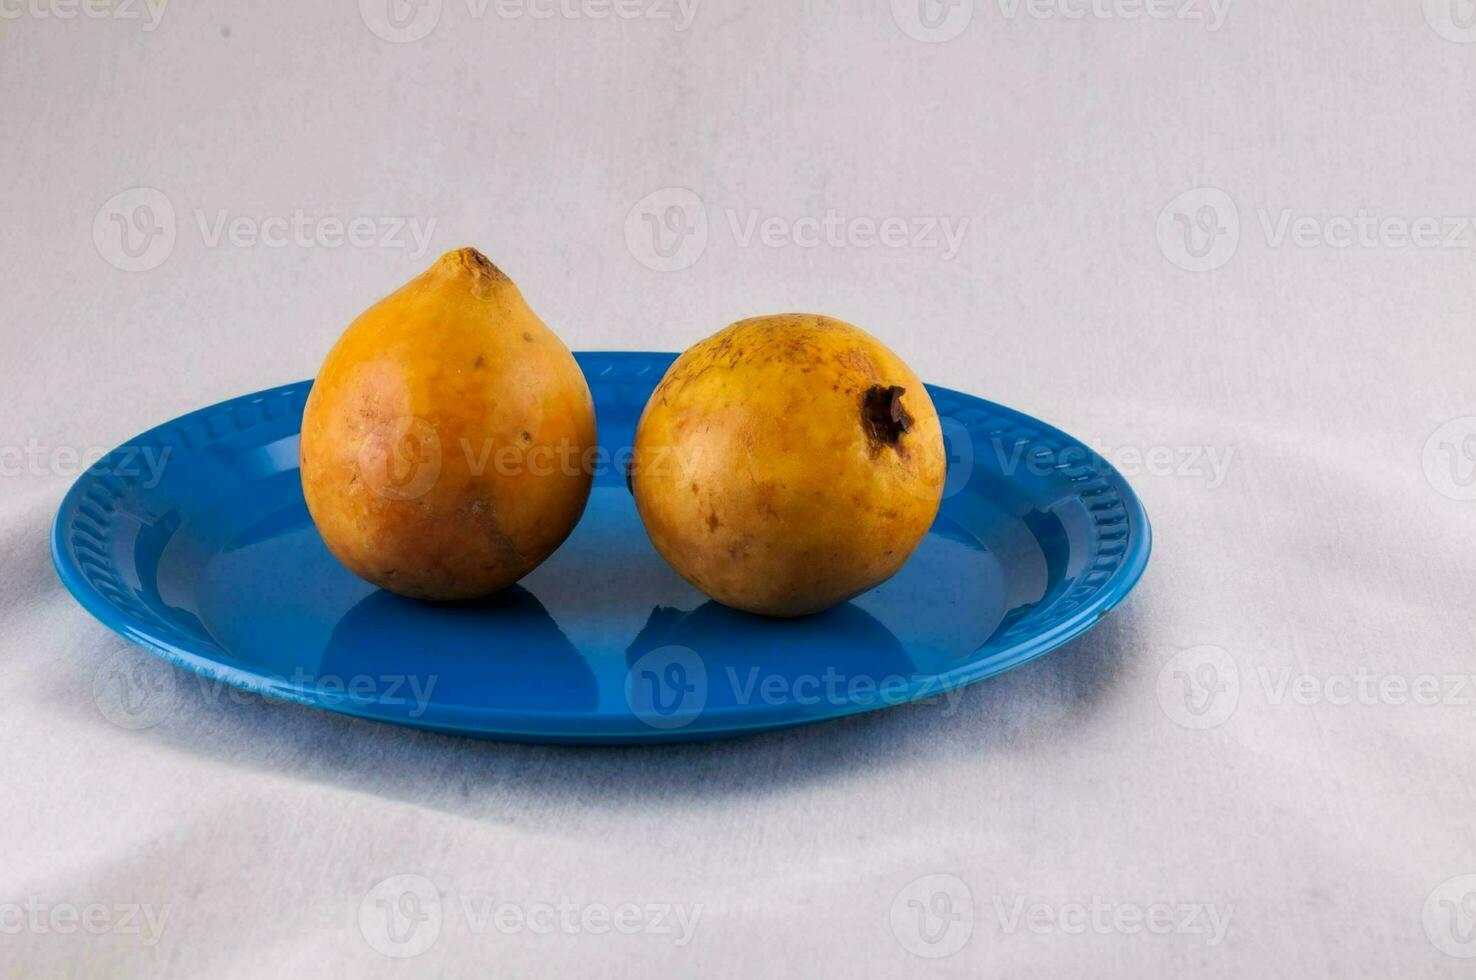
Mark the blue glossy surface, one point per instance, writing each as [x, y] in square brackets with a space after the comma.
[217, 567]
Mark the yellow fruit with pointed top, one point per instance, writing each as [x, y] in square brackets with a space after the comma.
[788, 463]
[447, 442]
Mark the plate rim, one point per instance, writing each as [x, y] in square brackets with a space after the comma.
[711, 723]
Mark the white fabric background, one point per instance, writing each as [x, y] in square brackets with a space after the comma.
[1336, 545]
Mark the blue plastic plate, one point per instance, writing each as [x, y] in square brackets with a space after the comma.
[193, 541]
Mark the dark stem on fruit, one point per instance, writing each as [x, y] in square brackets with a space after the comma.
[478, 264]
[883, 416]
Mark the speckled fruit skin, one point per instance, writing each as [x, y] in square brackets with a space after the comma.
[788, 463]
[446, 442]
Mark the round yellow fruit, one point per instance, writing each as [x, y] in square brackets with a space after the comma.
[788, 463]
[446, 442]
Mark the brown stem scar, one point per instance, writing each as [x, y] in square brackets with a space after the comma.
[883, 416]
